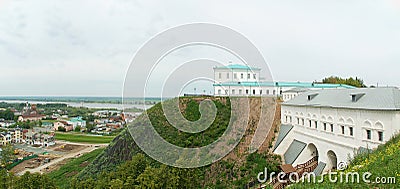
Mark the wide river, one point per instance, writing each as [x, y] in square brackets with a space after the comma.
[88, 105]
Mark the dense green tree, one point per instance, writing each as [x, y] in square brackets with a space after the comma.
[62, 129]
[7, 114]
[7, 179]
[35, 180]
[77, 129]
[357, 82]
[6, 154]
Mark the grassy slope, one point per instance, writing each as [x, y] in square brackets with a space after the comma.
[383, 162]
[237, 167]
[84, 138]
[63, 175]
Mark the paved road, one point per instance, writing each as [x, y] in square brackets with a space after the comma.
[87, 149]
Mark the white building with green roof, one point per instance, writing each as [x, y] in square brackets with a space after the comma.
[243, 80]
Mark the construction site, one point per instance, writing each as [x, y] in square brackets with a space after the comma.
[53, 157]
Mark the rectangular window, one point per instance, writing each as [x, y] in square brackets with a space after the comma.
[316, 124]
[324, 126]
[260, 92]
[332, 127]
[273, 92]
[380, 136]
[248, 76]
[219, 91]
[351, 131]
[342, 127]
[227, 75]
[302, 122]
[226, 92]
[247, 91]
[254, 91]
[298, 121]
[240, 91]
[310, 122]
[267, 92]
[241, 76]
[233, 91]
[369, 134]
[219, 75]
[235, 75]
[254, 76]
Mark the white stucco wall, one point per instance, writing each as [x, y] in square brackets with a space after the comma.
[235, 91]
[224, 75]
[343, 145]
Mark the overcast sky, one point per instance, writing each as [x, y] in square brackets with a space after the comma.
[83, 48]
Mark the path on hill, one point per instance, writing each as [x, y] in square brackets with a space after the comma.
[89, 148]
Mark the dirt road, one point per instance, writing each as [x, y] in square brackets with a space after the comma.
[88, 148]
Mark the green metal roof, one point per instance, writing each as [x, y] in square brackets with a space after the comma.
[77, 119]
[285, 84]
[237, 66]
[293, 152]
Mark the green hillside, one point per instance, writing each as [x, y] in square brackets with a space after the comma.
[382, 162]
[124, 165]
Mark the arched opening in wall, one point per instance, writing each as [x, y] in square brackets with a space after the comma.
[312, 150]
[332, 160]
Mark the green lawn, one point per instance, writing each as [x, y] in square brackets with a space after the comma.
[63, 175]
[49, 121]
[82, 138]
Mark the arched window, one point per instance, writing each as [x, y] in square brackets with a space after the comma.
[378, 125]
[350, 121]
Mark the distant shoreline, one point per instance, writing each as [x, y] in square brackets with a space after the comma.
[97, 105]
[66, 99]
